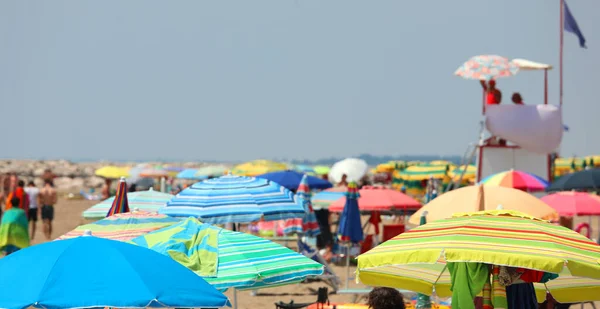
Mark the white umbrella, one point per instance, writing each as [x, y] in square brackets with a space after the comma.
[353, 168]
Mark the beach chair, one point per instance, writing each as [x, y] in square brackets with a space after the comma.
[329, 275]
[322, 299]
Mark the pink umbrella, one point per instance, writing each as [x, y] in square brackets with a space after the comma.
[571, 203]
[378, 199]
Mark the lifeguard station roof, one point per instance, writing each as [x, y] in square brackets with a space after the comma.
[527, 65]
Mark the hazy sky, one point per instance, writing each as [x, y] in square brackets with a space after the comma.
[238, 80]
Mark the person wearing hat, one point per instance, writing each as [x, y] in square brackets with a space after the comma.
[492, 94]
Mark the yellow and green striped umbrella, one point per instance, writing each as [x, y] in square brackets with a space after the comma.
[416, 260]
[563, 166]
[384, 168]
[470, 173]
[414, 176]
[258, 167]
[442, 162]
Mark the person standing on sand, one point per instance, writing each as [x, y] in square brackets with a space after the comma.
[48, 199]
[19, 193]
[33, 193]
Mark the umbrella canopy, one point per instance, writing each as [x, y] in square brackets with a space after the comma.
[235, 199]
[354, 169]
[134, 172]
[470, 173]
[122, 276]
[291, 180]
[487, 67]
[191, 174]
[305, 169]
[258, 167]
[423, 172]
[442, 163]
[212, 170]
[120, 204]
[111, 172]
[518, 180]
[154, 173]
[244, 261]
[377, 199]
[415, 259]
[479, 198]
[322, 169]
[124, 226]
[149, 201]
[350, 227]
[571, 203]
[308, 225]
[385, 168]
[588, 180]
[323, 199]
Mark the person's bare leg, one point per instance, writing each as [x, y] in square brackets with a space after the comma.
[47, 228]
[32, 229]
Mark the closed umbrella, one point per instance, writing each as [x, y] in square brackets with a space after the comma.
[122, 276]
[235, 199]
[120, 204]
[308, 224]
[350, 227]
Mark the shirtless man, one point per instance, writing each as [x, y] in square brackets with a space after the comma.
[48, 198]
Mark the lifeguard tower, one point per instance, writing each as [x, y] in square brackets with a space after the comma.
[522, 137]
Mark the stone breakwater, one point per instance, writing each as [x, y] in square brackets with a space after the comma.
[69, 176]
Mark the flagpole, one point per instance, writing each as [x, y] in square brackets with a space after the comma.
[562, 35]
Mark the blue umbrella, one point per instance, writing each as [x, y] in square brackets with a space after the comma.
[235, 199]
[191, 174]
[292, 179]
[88, 271]
[350, 227]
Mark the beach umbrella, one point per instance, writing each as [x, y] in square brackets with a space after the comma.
[442, 163]
[572, 203]
[122, 276]
[321, 169]
[212, 170]
[588, 180]
[154, 173]
[379, 199]
[479, 198]
[134, 173]
[487, 67]
[423, 300]
[350, 226]
[235, 199]
[353, 168]
[149, 201]
[111, 172]
[244, 261]
[258, 167]
[305, 169]
[322, 199]
[191, 174]
[173, 170]
[125, 226]
[518, 180]
[419, 259]
[414, 177]
[385, 168]
[120, 204]
[291, 180]
[469, 175]
[308, 224]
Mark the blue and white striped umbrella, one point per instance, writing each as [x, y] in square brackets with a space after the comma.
[235, 199]
[190, 174]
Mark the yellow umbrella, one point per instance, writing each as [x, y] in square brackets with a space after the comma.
[479, 198]
[441, 162]
[469, 175]
[112, 172]
[384, 168]
[258, 167]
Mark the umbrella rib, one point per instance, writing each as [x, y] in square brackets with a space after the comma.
[440, 275]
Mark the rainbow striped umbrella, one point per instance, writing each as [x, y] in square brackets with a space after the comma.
[125, 226]
[308, 225]
[149, 201]
[417, 259]
[235, 199]
[487, 67]
[120, 204]
[516, 180]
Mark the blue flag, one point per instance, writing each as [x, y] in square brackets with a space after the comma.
[570, 25]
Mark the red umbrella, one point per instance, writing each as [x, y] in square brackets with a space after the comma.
[378, 199]
[571, 203]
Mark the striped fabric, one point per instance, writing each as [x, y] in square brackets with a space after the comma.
[308, 225]
[235, 199]
[323, 199]
[149, 201]
[120, 204]
[250, 262]
[516, 179]
[416, 259]
[125, 226]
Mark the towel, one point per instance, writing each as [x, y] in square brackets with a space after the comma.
[468, 280]
[191, 243]
[14, 232]
[498, 291]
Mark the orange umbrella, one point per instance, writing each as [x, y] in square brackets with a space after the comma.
[479, 198]
[378, 199]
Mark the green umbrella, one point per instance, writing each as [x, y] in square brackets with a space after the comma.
[423, 301]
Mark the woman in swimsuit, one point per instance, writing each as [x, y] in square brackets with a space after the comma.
[493, 95]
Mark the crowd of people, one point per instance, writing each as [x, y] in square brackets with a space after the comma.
[34, 202]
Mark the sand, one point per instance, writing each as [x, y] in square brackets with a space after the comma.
[68, 217]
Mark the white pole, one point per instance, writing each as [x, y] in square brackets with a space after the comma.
[234, 298]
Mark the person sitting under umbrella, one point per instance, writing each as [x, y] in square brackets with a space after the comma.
[493, 95]
[385, 298]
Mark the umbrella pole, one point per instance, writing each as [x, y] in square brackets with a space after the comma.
[347, 265]
[235, 298]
